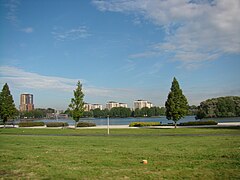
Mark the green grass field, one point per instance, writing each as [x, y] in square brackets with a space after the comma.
[91, 154]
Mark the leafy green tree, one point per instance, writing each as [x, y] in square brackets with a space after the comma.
[87, 114]
[151, 111]
[228, 106]
[77, 105]
[137, 112]
[144, 111]
[105, 112]
[176, 104]
[36, 113]
[114, 112]
[192, 110]
[50, 110]
[97, 113]
[124, 112]
[7, 106]
[121, 112]
[161, 111]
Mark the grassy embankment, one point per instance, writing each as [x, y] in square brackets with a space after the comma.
[212, 156]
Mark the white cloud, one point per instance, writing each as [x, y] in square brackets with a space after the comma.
[20, 79]
[72, 34]
[129, 66]
[27, 30]
[145, 54]
[196, 31]
[12, 8]
[11, 15]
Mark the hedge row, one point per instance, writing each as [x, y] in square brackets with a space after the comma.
[142, 124]
[196, 123]
[30, 124]
[56, 124]
[85, 124]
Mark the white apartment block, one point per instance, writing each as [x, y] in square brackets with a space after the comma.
[112, 104]
[89, 107]
[97, 106]
[141, 104]
[123, 105]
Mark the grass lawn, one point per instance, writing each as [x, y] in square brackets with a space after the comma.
[119, 157]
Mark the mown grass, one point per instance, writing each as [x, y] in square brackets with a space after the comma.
[137, 131]
[119, 157]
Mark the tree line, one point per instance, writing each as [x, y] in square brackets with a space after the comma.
[219, 107]
[122, 112]
[115, 112]
[36, 113]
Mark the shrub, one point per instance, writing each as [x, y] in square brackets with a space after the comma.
[30, 124]
[86, 124]
[142, 124]
[57, 124]
[196, 123]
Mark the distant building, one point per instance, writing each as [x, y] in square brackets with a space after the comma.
[97, 106]
[26, 102]
[123, 105]
[89, 107]
[112, 104]
[141, 104]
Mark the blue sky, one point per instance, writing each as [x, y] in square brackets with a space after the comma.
[120, 50]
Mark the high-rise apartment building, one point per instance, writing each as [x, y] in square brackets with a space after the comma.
[112, 104]
[26, 102]
[89, 107]
[123, 105]
[97, 106]
[141, 104]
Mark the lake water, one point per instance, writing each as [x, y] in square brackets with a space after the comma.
[127, 121]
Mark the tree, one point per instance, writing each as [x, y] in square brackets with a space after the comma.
[176, 104]
[77, 105]
[105, 112]
[228, 106]
[161, 111]
[151, 111]
[87, 114]
[192, 110]
[36, 113]
[97, 113]
[7, 106]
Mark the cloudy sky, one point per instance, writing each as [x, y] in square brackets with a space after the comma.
[120, 50]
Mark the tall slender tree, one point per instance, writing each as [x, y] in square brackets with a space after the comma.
[7, 106]
[77, 104]
[176, 104]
